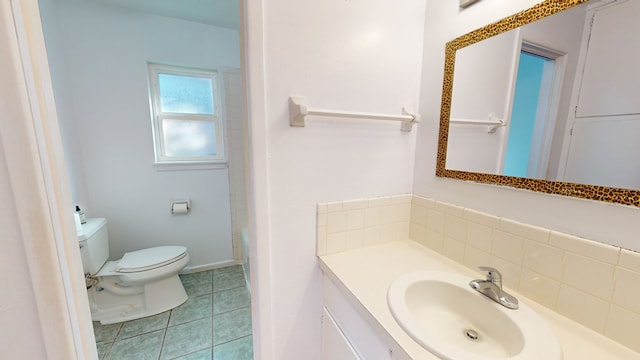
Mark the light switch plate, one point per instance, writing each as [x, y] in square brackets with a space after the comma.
[465, 3]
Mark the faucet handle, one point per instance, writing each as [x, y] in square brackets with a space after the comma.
[493, 275]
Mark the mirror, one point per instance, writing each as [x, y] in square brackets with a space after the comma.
[545, 100]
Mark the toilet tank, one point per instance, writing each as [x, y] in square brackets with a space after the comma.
[94, 245]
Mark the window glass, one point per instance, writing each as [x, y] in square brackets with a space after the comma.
[185, 94]
[184, 138]
[185, 105]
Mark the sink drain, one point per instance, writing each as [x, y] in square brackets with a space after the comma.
[471, 334]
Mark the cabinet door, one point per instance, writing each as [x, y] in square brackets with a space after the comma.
[335, 345]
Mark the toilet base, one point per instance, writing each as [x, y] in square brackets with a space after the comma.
[112, 303]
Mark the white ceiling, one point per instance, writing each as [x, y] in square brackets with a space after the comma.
[223, 13]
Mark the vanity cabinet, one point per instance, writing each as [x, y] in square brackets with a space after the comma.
[347, 333]
[335, 345]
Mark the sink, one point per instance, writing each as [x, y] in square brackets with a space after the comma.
[445, 316]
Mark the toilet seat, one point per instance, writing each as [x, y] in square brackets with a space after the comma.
[149, 259]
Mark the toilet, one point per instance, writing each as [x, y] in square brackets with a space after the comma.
[142, 283]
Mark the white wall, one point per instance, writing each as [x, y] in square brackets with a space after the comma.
[600, 221]
[346, 55]
[64, 103]
[103, 69]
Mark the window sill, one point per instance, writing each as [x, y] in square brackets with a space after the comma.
[186, 166]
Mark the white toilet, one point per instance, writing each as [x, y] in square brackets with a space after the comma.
[142, 283]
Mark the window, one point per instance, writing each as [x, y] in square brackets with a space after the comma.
[187, 125]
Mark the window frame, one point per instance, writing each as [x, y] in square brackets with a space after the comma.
[157, 116]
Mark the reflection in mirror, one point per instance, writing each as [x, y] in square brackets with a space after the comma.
[547, 103]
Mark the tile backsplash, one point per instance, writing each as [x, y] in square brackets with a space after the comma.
[347, 225]
[595, 284]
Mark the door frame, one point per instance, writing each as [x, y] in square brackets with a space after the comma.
[545, 122]
[42, 195]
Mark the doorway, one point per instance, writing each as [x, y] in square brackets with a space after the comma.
[533, 115]
[99, 154]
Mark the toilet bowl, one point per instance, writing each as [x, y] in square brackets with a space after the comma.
[142, 283]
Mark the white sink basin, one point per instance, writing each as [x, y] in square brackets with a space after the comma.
[443, 314]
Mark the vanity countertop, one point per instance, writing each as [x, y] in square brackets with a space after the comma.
[367, 273]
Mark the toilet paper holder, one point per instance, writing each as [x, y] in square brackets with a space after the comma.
[180, 207]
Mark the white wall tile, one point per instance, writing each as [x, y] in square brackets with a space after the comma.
[544, 259]
[627, 289]
[372, 216]
[435, 221]
[419, 214]
[402, 199]
[322, 219]
[511, 272]
[584, 308]
[456, 228]
[355, 204]
[372, 235]
[539, 288]
[474, 257]
[508, 246]
[334, 206]
[592, 249]
[321, 240]
[525, 230]
[380, 201]
[417, 233]
[404, 230]
[354, 239]
[434, 240]
[403, 212]
[336, 242]
[589, 275]
[622, 326]
[336, 222]
[424, 202]
[389, 232]
[479, 236]
[453, 249]
[321, 208]
[387, 214]
[482, 218]
[355, 219]
[450, 209]
[630, 260]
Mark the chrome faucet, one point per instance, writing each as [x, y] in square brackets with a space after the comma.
[491, 287]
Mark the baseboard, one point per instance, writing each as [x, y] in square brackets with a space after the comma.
[211, 266]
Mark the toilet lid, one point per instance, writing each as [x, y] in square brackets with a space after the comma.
[151, 258]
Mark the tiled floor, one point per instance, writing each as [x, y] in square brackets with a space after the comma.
[213, 324]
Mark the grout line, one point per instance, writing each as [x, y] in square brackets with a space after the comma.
[164, 336]
[108, 351]
[242, 307]
[118, 332]
[241, 284]
[231, 288]
[241, 337]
